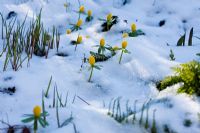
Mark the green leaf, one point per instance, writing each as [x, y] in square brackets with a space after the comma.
[198, 54]
[45, 114]
[99, 50]
[136, 33]
[126, 51]
[41, 121]
[27, 120]
[47, 91]
[97, 67]
[190, 37]
[67, 121]
[181, 41]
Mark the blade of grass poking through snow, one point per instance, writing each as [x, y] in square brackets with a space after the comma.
[142, 111]
[83, 100]
[67, 121]
[59, 97]
[113, 109]
[57, 114]
[66, 99]
[74, 99]
[47, 91]
[54, 96]
[2, 28]
[181, 41]
[57, 39]
[134, 111]
[43, 107]
[153, 128]
[120, 119]
[190, 37]
[109, 107]
[147, 118]
[75, 130]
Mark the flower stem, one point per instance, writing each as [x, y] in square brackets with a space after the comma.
[75, 46]
[35, 125]
[91, 74]
[120, 59]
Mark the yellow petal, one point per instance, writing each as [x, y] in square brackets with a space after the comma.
[91, 60]
[124, 44]
[37, 111]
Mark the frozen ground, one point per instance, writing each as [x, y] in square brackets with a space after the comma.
[132, 80]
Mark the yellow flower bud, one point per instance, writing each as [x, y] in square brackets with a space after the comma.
[133, 27]
[91, 60]
[79, 23]
[124, 44]
[87, 36]
[89, 13]
[81, 9]
[102, 42]
[125, 35]
[68, 31]
[37, 111]
[79, 39]
[109, 17]
[65, 5]
[115, 48]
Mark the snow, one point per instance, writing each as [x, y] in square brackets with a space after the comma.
[132, 79]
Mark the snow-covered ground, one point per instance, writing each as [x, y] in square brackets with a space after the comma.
[131, 80]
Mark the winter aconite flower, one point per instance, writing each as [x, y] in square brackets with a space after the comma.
[81, 9]
[89, 13]
[124, 44]
[68, 31]
[79, 39]
[101, 46]
[37, 117]
[79, 23]
[109, 17]
[124, 35]
[109, 21]
[133, 27]
[92, 62]
[102, 42]
[89, 16]
[37, 111]
[123, 50]
[65, 5]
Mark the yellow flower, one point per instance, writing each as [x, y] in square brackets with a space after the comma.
[109, 17]
[65, 5]
[37, 111]
[124, 44]
[102, 42]
[79, 39]
[91, 60]
[133, 27]
[68, 31]
[89, 13]
[81, 9]
[79, 23]
[115, 48]
[87, 36]
[125, 35]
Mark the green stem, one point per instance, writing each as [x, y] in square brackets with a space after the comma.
[90, 74]
[35, 125]
[76, 46]
[120, 59]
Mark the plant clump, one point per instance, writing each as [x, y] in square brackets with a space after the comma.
[188, 74]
